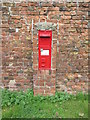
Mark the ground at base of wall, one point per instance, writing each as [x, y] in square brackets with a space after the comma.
[62, 105]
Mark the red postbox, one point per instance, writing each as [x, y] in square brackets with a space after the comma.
[45, 39]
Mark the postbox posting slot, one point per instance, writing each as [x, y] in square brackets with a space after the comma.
[44, 35]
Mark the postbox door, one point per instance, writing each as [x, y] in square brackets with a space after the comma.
[45, 38]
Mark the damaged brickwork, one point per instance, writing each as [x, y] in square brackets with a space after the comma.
[69, 21]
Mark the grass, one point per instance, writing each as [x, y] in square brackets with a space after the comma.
[62, 105]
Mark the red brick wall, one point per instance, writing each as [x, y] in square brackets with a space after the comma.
[72, 58]
[72, 43]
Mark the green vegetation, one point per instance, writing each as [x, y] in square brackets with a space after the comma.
[26, 105]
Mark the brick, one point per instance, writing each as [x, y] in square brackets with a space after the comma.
[46, 4]
[32, 4]
[53, 8]
[15, 17]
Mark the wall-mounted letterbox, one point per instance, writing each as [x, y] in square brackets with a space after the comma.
[45, 39]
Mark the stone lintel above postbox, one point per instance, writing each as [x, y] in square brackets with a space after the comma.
[45, 26]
